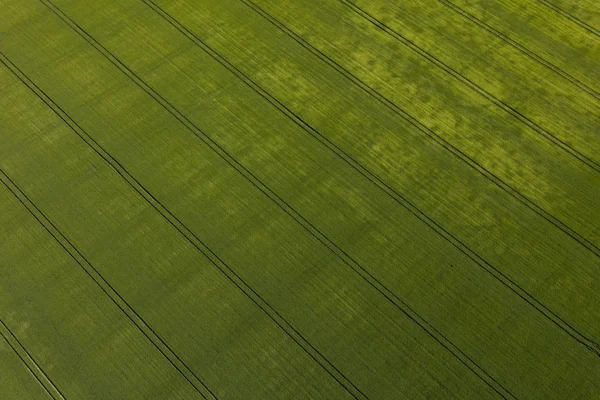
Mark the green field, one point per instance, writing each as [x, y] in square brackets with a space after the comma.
[263, 199]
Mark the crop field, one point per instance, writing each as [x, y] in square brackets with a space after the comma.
[266, 199]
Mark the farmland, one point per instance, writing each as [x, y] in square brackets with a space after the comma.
[257, 199]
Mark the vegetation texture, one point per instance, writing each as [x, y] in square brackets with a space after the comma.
[265, 199]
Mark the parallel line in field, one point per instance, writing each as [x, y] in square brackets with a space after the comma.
[518, 46]
[500, 183]
[30, 363]
[251, 177]
[545, 133]
[571, 18]
[182, 229]
[440, 230]
[281, 203]
[105, 286]
[579, 238]
[307, 225]
[244, 172]
[305, 126]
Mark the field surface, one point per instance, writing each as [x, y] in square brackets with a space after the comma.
[263, 199]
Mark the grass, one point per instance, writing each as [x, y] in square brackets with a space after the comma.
[283, 200]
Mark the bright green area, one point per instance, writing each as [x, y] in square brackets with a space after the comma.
[587, 11]
[498, 68]
[220, 333]
[544, 32]
[515, 153]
